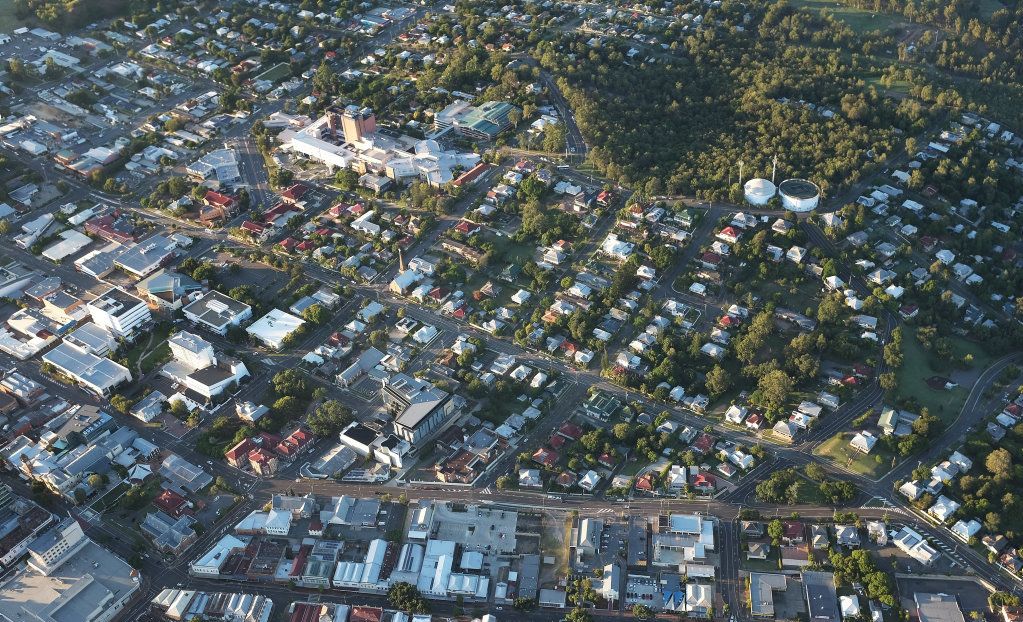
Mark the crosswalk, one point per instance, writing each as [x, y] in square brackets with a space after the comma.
[486, 490]
[606, 511]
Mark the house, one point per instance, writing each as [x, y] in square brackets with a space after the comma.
[847, 535]
[914, 545]
[794, 532]
[757, 550]
[943, 508]
[589, 480]
[965, 530]
[863, 442]
[736, 414]
[795, 556]
[785, 429]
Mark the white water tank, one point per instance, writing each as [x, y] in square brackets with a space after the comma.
[759, 191]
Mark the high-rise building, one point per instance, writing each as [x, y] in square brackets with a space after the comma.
[357, 123]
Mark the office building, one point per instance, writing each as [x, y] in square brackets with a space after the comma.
[119, 312]
[217, 312]
[420, 409]
[69, 578]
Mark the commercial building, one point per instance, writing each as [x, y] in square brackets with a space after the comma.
[119, 312]
[821, 596]
[274, 328]
[348, 139]
[69, 578]
[95, 373]
[420, 408]
[147, 256]
[196, 367]
[484, 122]
[217, 312]
[187, 605]
[168, 290]
[220, 165]
[938, 607]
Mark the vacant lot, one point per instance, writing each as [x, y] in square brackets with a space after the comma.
[919, 365]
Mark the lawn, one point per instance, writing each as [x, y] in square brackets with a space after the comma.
[898, 87]
[837, 450]
[510, 251]
[919, 365]
[859, 20]
[151, 348]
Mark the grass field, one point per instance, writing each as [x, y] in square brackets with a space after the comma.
[837, 450]
[859, 20]
[919, 365]
[900, 87]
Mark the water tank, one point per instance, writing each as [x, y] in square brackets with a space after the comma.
[799, 195]
[759, 191]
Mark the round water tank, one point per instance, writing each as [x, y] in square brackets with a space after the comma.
[759, 191]
[799, 195]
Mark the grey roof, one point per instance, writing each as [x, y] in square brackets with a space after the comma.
[216, 309]
[821, 596]
[147, 255]
[938, 607]
[87, 367]
[419, 398]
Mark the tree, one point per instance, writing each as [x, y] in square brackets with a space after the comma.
[288, 406]
[407, 597]
[774, 389]
[579, 614]
[179, 409]
[121, 404]
[999, 463]
[316, 313]
[346, 179]
[95, 481]
[291, 382]
[642, 612]
[718, 381]
[775, 530]
[329, 418]
[5, 226]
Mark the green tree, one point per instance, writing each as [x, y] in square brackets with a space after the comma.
[407, 597]
[329, 418]
[346, 179]
[774, 389]
[718, 381]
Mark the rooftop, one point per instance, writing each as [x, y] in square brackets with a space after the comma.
[79, 590]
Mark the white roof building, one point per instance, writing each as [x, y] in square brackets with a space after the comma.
[274, 328]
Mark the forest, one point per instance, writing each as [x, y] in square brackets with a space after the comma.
[678, 123]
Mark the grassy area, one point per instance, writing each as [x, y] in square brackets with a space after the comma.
[633, 467]
[837, 450]
[511, 251]
[152, 348]
[156, 357]
[771, 564]
[859, 20]
[898, 86]
[919, 365]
